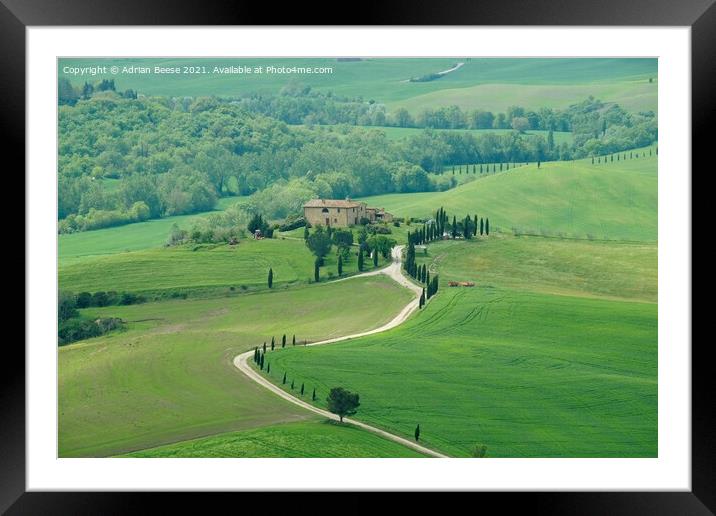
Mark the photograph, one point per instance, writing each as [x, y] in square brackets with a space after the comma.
[357, 257]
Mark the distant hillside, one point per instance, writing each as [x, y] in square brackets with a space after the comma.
[575, 199]
[387, 80]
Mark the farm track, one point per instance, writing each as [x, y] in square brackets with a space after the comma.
[394, 271]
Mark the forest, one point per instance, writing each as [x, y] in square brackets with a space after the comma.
[125, 157]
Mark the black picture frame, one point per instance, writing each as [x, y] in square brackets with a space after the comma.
[700, 15]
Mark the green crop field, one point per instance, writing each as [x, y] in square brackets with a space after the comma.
[304, 439]
[75, 247]
[199, 268]
[638, 95]
[514, 363]
[397, 133]
[169, 376]
[492, 84]
[573, 198]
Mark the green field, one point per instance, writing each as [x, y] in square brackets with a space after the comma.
[398, 133]
[305, 439]
[169, 376]
[568, 198]
[75, 247]
[638, 95]
[513, 363]
[484, 83]
[201, 268]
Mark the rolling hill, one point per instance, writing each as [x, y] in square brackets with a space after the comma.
[569, 198]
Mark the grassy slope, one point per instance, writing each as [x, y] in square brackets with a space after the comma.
[615, 200]
[305, 439]
[615, 270]
[169, 376]
[75, 247]
[384, 80]
[638, 95]
[183, 269]
[526, 373]
[397, 133]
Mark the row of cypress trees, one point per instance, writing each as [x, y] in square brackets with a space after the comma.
[260, 361]
[622, 156]
[485, 168]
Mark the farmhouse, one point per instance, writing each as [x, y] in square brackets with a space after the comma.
[335, 212]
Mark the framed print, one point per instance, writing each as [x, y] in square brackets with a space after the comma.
[370, 257]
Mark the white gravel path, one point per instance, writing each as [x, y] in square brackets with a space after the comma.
[394, 271]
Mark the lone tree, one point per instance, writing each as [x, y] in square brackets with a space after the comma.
[319, 242]
[270, 278]
[417, 433]
[342, 402]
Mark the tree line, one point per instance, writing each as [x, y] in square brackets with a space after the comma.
[125, 159]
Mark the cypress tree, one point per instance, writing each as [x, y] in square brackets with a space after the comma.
[482, 226]
[375, 257]
[313, 396]
[454, 226]
[264, 347]
[301, 389]
[292, 384]
[262, 362]
[487, 226]
[427, 278]
[360, 260]
[293, 341]
[305, 232]
[283, 382]
[268, 368]
[270, 278]
[340, 265]
[283, 341]
[417, 433]
[421, 301]
[272, 346]
[316, 271]
[474, 227]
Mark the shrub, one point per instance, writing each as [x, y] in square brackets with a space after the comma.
[84, 299]
[292, 222]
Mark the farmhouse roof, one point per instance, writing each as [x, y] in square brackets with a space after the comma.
[331, 203]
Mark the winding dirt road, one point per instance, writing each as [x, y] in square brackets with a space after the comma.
[394, 271]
